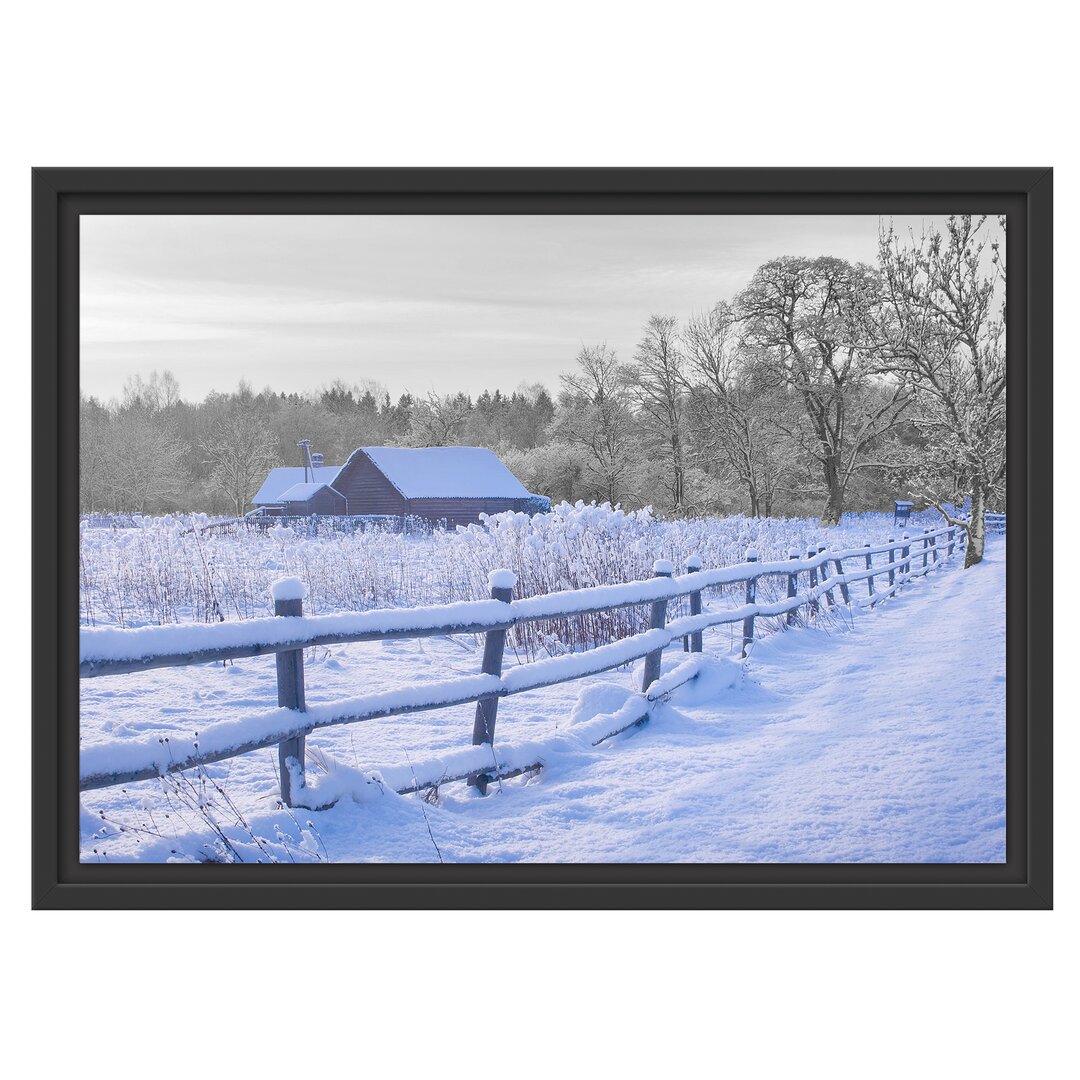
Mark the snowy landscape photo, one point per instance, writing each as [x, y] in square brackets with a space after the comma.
[546, 539]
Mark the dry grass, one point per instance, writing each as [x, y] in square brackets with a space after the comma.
[175, 569]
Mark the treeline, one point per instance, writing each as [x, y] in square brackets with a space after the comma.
[823, 386]
[154, 451]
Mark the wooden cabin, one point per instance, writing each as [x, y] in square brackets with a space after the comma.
[451, 484]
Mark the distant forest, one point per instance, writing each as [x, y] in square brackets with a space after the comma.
[822, 387]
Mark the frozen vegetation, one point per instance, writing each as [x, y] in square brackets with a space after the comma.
[827, 744]
[157, 571]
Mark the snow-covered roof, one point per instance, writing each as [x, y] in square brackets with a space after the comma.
[301, 492]
[282, 480]
[446, 472]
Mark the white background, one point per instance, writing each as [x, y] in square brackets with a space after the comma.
[740, 993]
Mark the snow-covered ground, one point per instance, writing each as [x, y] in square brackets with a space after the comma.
[877, 738]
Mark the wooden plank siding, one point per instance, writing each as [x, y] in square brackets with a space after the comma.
[460, 511]
[366, 489]
[325, 501]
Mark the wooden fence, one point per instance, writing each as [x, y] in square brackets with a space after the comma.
[812, 580]
[313, 524]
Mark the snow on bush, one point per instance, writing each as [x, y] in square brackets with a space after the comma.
[176, 569]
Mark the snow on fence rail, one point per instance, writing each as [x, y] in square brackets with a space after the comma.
[107, 651]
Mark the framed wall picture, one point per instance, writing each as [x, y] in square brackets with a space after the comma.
[536, 538]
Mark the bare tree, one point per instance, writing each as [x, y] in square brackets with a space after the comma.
[161, 391]
[240, 454]
[659, 384]
[595, 415]
[815, 320]
[94, 454]
[437, 419]
[734, 405]
[144, 463]
[944, 324]
[150, 463]
[130, 457]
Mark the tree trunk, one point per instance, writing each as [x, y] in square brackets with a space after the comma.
[834, 503]
[977, 528]
[754, 504]
[678, 491]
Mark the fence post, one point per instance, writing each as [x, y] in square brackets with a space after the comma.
[905, 562]
[892, 562]
[869, 566]
[502, 584]
[810, 553]
[925, 547]
[751, 598]
[288, 594]
[933, 547]
[844, 593]
[657, 618]
[693, 564]
[824, 574]
[948, 554]
[792, 587]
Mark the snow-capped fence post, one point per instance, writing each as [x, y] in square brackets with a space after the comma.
[288, 594]
[502, 584]
[657, 619]
[839, 564]
[892, 561]
[751, 598]
[792, 588]
[933, 547]
[905, 562]
[810, 553]
[693, 564]
[925, 547]
[948, 554]
[825, 574]
[869, 566]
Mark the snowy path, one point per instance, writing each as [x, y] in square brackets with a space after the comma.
[881, 742]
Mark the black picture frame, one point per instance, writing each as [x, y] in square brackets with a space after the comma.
[61, 195]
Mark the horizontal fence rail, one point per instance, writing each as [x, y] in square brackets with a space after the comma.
[108, 651]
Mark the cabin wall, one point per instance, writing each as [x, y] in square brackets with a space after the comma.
[459, 511]
[324, 502]
[367, 490]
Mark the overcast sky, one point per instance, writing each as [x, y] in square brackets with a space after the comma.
[416, 303]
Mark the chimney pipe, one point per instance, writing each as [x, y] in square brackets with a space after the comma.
[305, 446]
